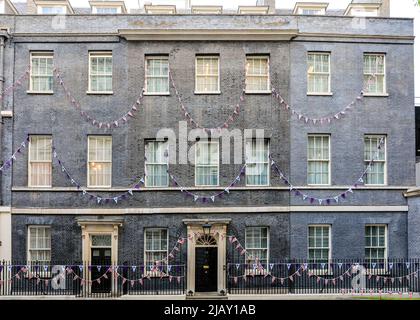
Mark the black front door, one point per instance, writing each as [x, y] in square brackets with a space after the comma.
[101, 261]
[206, 269]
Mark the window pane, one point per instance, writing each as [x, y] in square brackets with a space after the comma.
[100, 73]
[207, 74]
[100, 161]
[156, 164]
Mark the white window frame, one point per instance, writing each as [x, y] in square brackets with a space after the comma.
[218, 163]
[321, 10]
[28, 246]
[327, 269]
[38, 161]
[329, 92]
[385, 240]
[268, 164]
[385, 161]
[40, 9]
[197, 57]
[260, 57]
[100, 54]
[95, 9]
[42, 55]
[329, 160]
[146, 77]
[163, 163]
[146, 263]
[88, 162]
[251, 271]
[384, 93]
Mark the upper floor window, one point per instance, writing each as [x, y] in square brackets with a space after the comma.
[206, 9]
[41, 69]
[155, 248]
[319, 243]
[156, 164]
[100, 72]
[157, 75]
[362, 10]
[39, 243]
[318, 159]
[52, 9]
[319, 81]
[253, 9]
[207, 74]
[376, 243]
[376, 175]
[257, 162]
[160, 9]
[310, 8]
[40, 164]
[99, 161]
[257, 74]
[374, 73]
[257, 244]
[106, 10]
[207, 163]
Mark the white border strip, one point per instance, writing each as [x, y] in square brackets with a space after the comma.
[187, 210]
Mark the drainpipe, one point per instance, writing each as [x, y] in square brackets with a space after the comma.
[2, 43]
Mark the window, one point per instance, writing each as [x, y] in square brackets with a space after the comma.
[374, 74]
[52, 10]
[106, 10]
[41, 79]
[157, 75]
[257, 74]
[362, 10]
[319, 73]
[160, 9]
[156, 248]
[99, 161]
[319, 246]
[207, 74]
[40, 161]
[318, 159]
[253, 9]
[156, 164]
[39, 243]
[207, 163]
[376, 175]
[256, 244]
[376, 243]
[257, 162]
[100, 72]
[206, 9]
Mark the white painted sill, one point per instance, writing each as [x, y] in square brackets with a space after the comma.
[208, 92]
[39, 92]
[156, 94]
[328, 94]
[377, 95]
[258, 92]
[100, 92]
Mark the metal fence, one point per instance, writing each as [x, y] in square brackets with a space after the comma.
[324, 277]
[81, 279]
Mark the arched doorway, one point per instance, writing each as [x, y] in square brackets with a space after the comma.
[206, 264]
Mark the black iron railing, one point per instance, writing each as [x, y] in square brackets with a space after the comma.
[325, 277]
[81, 279]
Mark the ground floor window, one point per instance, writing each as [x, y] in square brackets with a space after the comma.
[156, 249]
[319, 243]
[376, 243]
[39, 243]
[257, 244]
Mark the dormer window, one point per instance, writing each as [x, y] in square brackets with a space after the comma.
[53, 7]
[51, 10]
[158, 9]
[310, 8]
[108, 7]
[253, 9]
[206, 9]
[363, 10]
